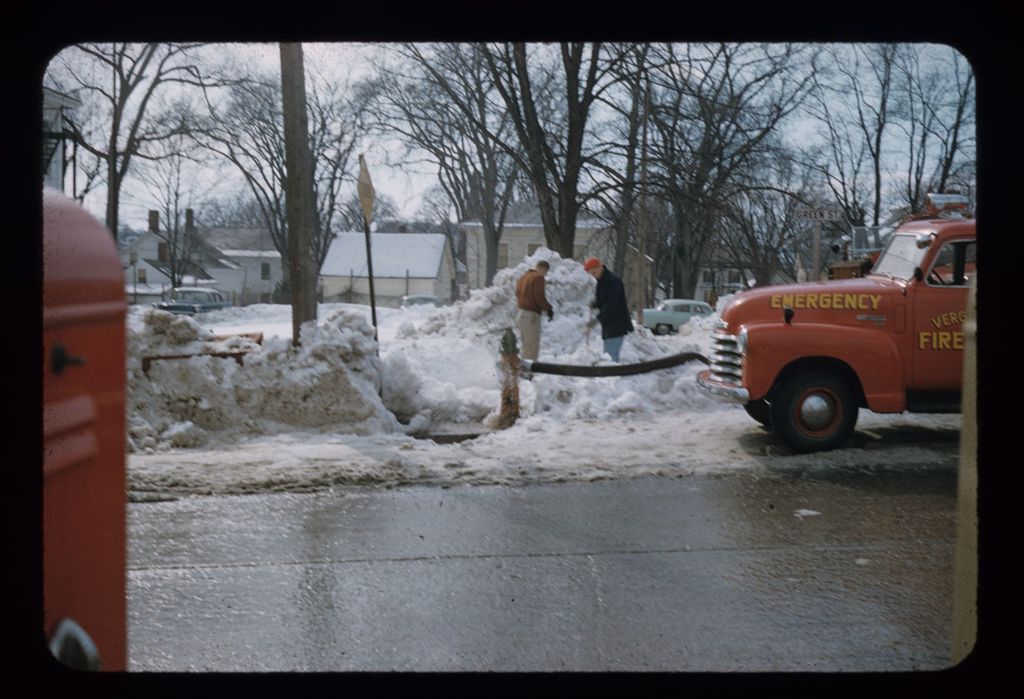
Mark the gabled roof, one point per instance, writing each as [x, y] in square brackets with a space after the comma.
[239, 238]
[393, 254]
[526, 214]
[191, 270]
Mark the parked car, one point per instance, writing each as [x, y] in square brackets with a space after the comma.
[190, 300]
[668, 315]
[421, 300]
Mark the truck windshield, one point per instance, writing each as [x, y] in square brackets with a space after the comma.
[900, 258]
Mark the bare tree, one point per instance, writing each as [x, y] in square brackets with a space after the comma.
[555, 152]
[437, 209]
[760, 234]
[247, 132]
[716, 112]
[349, 215]
[621, 157]
[853, 99]
[935, 115]
[123, 82]
[238, 210]
[440, 100]
[872, 105]
[841, 158]
[172, 185]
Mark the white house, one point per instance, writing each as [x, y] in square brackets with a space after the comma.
[520, 240]
[403, 263]
[257, 263]
[523, 234]
[146, 264]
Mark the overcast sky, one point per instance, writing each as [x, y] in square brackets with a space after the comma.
[403, 182]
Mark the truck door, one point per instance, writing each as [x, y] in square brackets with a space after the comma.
[940, 304]
[83, 365]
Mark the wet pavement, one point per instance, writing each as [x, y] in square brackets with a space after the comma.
[797, 570]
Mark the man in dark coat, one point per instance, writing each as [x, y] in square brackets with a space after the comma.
[612, 310]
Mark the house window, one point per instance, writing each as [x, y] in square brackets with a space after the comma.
[265, 270]
[142, 275]
[162, 252]
[502, 255]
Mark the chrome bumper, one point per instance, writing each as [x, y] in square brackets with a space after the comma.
[734, 393]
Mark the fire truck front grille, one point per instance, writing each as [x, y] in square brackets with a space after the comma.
[726, 361]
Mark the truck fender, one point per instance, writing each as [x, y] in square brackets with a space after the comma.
[872, 356]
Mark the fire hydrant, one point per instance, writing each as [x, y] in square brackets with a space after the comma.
[509, 367]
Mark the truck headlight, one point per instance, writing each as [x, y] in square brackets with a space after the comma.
[741, 341]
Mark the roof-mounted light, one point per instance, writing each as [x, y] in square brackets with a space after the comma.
[946, 205]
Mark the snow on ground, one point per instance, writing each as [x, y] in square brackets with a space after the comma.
[333, 413]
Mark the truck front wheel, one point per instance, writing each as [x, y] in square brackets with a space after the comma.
[814, 411]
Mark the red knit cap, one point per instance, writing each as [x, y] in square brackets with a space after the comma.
[591, 263]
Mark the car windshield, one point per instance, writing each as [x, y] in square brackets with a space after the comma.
[900, 258]
[190, 295]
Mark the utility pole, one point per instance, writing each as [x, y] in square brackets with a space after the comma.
[301, 213]
[817, 215]
[642, 223]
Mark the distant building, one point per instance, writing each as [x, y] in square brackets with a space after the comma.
[523, 234]
[257, 263]
[403, 264]
[147, 264]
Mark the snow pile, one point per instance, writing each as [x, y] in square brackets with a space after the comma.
[330, 413]
[332, 380]
[466, 336]
[437, 367]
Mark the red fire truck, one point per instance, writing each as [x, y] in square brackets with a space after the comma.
[804, 358]
[84, 543]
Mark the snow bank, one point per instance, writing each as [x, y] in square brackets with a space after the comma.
[437, 367]
[466, 336]
[331, 380]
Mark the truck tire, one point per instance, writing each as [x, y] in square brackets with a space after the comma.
[814, 411]
[760, 410]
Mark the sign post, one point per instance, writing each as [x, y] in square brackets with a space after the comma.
[366, 196]
[818, 215]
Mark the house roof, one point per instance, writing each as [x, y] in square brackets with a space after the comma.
[264, 254]
[393, 255]
[191, 269]
[239, 239]
[527, 215]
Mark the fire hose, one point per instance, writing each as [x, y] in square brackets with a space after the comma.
[614, 369]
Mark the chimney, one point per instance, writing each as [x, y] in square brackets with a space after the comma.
[154, 221]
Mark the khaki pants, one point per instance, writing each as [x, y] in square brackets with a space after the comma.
[529, 333]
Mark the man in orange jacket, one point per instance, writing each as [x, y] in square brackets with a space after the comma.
[532, 302]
